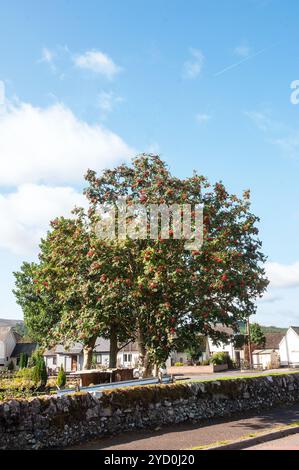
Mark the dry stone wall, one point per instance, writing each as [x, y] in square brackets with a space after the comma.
[54, 422]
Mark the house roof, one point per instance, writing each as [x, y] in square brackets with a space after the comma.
[130, 347]
[273, 340]
[75, 348]
[223, 329]
[262, 351]
[296, 329]
[25, 348]
[102, 345]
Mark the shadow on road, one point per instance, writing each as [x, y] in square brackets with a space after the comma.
[186, 435]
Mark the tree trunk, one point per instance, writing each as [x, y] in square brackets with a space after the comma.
[113, 348]
[87, 353]
[146, 365]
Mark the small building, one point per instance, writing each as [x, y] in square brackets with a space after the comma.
[268, 357]
[22, 348]
[70, 359]
[289, 348]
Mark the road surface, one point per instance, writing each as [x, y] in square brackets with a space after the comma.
[186, 436]
[285, 443]
[234, 373]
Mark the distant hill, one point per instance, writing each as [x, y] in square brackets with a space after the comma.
[273, 329]
[7, 322]
[19, 327]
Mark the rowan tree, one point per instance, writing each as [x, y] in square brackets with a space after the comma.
[178, 293]
[78, 290]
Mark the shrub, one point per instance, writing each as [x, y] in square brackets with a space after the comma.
[26, 373]
[61, 377]
[11, 366]
[23, 360]
[206, 362]
[231, 364]
[179, 364]
[39, 369]
[219, 358]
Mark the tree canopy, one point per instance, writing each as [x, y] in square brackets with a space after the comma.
[153, 290]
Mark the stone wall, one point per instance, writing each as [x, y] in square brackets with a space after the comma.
[49, 422]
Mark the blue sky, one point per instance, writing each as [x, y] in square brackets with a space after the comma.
[204, 83]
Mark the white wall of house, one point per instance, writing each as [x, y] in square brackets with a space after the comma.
[289, 349]
[221, 347]
[6, 348]
[55, 361]
[128, 358]
[51, 362]
[2, 354]
[265, 359]
[235, 354]
[102, 359]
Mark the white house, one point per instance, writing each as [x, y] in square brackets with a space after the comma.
[72, 358]
[7, 344]
[12, 346]
[210, 347]
[289, 348]
[228, 346]
[128, 356]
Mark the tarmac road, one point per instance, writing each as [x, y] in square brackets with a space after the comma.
[186, 436]
[285, 443]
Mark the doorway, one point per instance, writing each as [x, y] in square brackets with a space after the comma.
[74, 363]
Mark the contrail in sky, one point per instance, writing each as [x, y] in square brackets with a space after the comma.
[232, 66]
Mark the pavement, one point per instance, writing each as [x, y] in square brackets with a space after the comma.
[234, 373]
[285, 443]
[188, 436]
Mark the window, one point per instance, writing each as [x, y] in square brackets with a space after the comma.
[99, 358]
[127, 357]
[54, 360]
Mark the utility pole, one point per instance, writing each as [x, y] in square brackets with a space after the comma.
[249, 342]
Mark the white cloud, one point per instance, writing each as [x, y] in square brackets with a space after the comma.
[269, 297]
[192, 68]
[108, 100]
[242, 51]
[288, 144]
[278, 133]
[53, 145]
[262, 120]
[98, 62]
[47, 55]
[283, 275]
[2, 93]
[25, 214]
[202, 118]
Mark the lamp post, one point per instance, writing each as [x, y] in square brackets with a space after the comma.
[249, 342]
